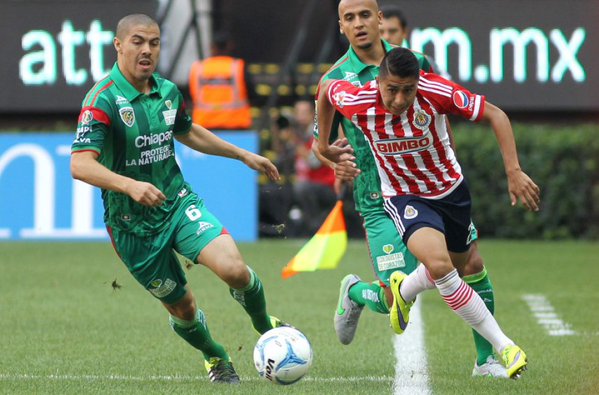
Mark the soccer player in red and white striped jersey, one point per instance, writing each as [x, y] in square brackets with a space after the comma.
[403, 117]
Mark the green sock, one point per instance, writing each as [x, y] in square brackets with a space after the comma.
[371, 295]
[253, 301]
[482, 286]
[197, 334]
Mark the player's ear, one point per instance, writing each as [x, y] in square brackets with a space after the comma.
[117, 45]
[340, 27]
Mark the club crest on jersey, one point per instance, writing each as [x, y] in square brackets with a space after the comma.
[87, 117]
[460, 99]
[421, 119]
[410, 212]
[127, 116]
[339, 97]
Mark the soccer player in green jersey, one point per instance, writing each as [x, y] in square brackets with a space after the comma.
[360, 22]
[124, 145]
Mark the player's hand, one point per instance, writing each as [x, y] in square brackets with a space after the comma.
[522, 187]
[261, 164]
[335, 152]
[145, 193]
[346, 169]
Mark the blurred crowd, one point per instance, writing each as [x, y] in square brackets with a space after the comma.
[298, 204]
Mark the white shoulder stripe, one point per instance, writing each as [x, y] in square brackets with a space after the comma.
[357, 102]
[442, 93]
[424, 81]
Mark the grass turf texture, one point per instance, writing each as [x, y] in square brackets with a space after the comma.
[65, 330]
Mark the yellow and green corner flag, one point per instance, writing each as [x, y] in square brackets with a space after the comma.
[325, 249]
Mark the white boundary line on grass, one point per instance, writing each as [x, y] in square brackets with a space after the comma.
[118, 377]
[546, 316]
[411, 367]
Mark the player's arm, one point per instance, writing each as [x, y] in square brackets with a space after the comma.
[201, 139]
[326, 112]
[85, 167]
[520, 185]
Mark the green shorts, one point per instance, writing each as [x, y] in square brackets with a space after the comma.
[387, 251]
[152, 259]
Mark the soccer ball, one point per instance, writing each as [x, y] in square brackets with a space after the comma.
[283, 355]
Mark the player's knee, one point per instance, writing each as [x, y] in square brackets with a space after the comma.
[475, 263]
[237, 276]
[438, 266]
[184, 309]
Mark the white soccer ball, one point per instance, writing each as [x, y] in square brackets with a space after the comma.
[283, 355]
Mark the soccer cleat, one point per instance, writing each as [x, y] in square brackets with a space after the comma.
[514, 360]
[348, 312]
[400, 311]
[277, 323]
[491, 368]
[221, 371]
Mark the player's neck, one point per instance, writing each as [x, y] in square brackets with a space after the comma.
[372, 55]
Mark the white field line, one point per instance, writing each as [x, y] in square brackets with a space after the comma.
[411, 367]
[546, 316]
[118, 377]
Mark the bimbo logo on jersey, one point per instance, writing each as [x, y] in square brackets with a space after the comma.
[460, 99]
[403, 146]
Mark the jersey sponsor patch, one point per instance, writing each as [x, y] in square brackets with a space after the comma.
[127, 115]
[392, 147]
[421, 119]
[203, 226]
[120, 100]
[349, 75]
[410, 212]
[460, 99]
[390, 261]
[169, 116]
[161, 288]
[87, 117]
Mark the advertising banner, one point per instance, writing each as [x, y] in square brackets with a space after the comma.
[40, 201]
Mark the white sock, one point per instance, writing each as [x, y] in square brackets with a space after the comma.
[462, 299]
[419, 280]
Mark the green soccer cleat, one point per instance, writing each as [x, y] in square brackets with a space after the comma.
[221, 371]
[514, 360]
[348, 312]
[400, 311]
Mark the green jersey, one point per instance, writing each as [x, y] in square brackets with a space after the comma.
[367, 186]
[133, 134]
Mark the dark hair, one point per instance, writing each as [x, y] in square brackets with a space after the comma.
[221, 40]
[400, 62]
[393, 11]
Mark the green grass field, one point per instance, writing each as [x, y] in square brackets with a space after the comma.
[64, 330]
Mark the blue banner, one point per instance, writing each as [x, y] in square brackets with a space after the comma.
[40, 201]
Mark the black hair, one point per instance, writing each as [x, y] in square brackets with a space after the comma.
[393, 11]
[400, 62]
[221, 40]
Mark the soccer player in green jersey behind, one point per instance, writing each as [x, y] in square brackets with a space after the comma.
[362, 23]
[124, 145]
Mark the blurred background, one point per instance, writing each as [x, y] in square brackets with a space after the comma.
[534, 59]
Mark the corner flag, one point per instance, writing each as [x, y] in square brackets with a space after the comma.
[325, 249]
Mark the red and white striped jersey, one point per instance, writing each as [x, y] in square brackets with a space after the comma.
[412, 151]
